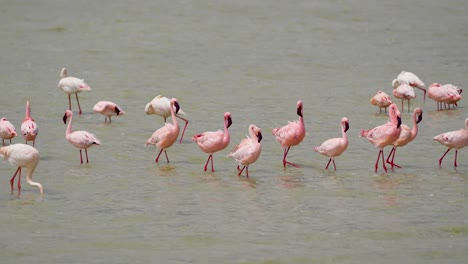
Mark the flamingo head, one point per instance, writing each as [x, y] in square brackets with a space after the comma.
[345, 123]
[67, 114]
[299, 108]
[228, 119]
[175, 104]
[419, 113]
[63, 73]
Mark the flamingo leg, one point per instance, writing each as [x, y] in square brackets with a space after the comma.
[185, 127]
[167, 158]
[383, 161]
[69, 102]
[12, 180]
[208, 160]
[247, 171]
[240, 170]
[78, 102]
[441, 158]
[19, 181]
[408, 105]
[328, 163]
[81, 157]
[454, 163]
[86, 152]
[287, 162]
[334, 166]
[157, 158]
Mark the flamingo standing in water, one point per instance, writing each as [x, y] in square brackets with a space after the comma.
[108, 109]
[160, 106]
[291, 134]
[454, 139]
[29, 128]
[403, 87]
[447, 93]
[248, 150]
[213, 141]
[7, 130]
[80, 139]
[72, 85]
[406, 136]
[23, 156]
[381, 100]
[384, 135]
[334, 147]
[164, 137]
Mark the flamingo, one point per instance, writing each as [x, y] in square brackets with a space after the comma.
[213, 141]
[447, 93]
[406, 92]
[23, 156]
[454, 139]
[80, 139]
[384, 135]
[164, 137]
[291, 134]
[72, 85]
[7, 130]
[108, 109]
[381, 100]
[334, 147]
[160, 106]
[29, 128]
[248, 150]
[406, 136]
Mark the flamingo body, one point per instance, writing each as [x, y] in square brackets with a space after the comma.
[29, 128]
[454, 139]
[160, 105]
[7, 130]
[291, 134]
[403, 87]
[248, 150]
[108, 109]
[22, 156]
[80, 139]
[448, 94]
[165, 136]
[381, 100]
[214, 141]
[384, 135]
[334, 147]
[72, 85]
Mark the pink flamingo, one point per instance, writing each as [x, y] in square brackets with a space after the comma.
[80, 139]
[160, 106]
[447, 93]
[406, 92]
[7, 130]
[213, 141]
[291, 134]
[29, 128]
[381, 100]
[248, 150]
[108, 109]
[23, 156]
[384, 135]
[164, 137]
[334, 147]
[72, 85]
[406, 136]
[454, 139]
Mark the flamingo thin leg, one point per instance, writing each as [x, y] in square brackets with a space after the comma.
[210, 157]
[441, 158]
[81, 157]
[157, 158]
[86, 152]
[328, 163]
[240, 170]
[454, 163]
[78, 102]
[183, 131]
[287, 162]
[12, 180]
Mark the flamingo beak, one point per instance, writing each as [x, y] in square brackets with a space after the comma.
[399, 121]
[419, 118]
[259, 136]
[64, 119]
[177, 107]
[229, 120]
[346, 126]
[117, 110]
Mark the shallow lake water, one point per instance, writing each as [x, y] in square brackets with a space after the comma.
[255, 59]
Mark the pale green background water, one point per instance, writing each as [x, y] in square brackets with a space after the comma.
[254, 59]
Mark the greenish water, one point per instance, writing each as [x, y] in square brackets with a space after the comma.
[254, 59]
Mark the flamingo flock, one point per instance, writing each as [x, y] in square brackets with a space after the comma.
[392, 133]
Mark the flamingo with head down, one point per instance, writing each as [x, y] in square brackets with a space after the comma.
[7, 130]
[403, 87]
[457, 139]
[381, 100]
[108, 109]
